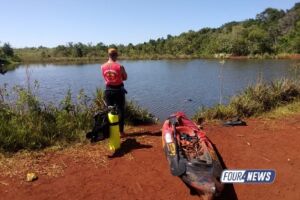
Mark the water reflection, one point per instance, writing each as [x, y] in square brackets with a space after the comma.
[4, 68]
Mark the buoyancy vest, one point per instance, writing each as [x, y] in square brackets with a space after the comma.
[112, 74]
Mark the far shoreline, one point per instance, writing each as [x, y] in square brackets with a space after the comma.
[88, 60]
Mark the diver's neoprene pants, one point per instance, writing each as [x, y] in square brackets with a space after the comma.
[116, 97]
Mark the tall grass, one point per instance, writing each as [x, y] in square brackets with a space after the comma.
[28, 123]
[254, 100]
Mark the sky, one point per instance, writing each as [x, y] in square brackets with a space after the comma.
[26, 23]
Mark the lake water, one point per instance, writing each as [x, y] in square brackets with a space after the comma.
[162, 86]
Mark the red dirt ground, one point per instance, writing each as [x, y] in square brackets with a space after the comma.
[141, 172]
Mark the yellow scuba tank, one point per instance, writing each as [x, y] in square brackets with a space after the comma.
[114, 131]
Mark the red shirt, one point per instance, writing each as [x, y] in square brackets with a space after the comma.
[111, 72]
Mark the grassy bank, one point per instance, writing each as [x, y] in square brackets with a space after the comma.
[283, 111]
[254, 101]
[9, 61]
[28, 123]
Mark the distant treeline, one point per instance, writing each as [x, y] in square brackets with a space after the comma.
[272, 32]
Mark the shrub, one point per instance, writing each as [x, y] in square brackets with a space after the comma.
[28, 123]
[254, 100]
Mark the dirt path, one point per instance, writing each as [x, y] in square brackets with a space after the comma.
[141, 172]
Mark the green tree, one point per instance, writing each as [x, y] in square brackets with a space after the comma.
[259, 41]
[291, 42]
[270, 15]
[7, 50]
[1, 53]
[77, 50]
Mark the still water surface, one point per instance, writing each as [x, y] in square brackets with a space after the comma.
[163, 86]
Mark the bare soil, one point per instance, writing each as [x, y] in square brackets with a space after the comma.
[140, 169]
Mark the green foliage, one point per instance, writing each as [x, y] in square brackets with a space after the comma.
[28, 123]
[254, 100]
[1, 53]
[259, 41]
[7, 50]
[270, 15]
[291, 41]
[135, 115]
[7, 54]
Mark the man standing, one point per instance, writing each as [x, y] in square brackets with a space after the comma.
[114, 74]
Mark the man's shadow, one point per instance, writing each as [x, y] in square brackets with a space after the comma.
[229, 191]
[146, 133]
[127, 146]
